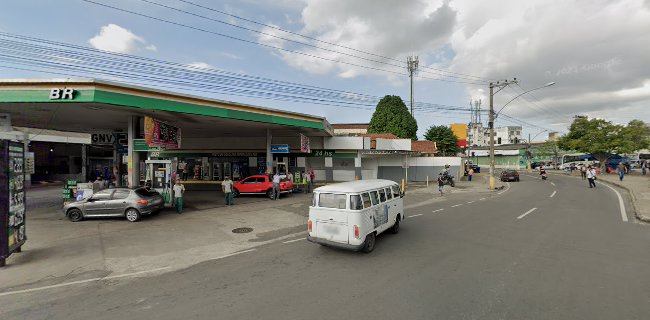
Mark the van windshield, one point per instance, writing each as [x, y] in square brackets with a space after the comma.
[332, 200]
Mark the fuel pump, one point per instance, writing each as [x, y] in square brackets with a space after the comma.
[160, 172]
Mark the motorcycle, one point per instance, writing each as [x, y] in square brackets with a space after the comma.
[448, 180]
[543, 175]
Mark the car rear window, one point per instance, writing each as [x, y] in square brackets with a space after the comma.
[144, 192]
[332, 200]
[121, 194]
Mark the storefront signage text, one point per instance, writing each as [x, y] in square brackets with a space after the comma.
[160, 134]
[323, 153]
[62, 94]
[279, 148]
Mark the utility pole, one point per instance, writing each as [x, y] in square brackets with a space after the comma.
[412, 63]
[493, 181]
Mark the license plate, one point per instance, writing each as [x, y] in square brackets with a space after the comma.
[331, 229]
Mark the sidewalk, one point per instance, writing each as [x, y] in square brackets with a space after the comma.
[639, 188]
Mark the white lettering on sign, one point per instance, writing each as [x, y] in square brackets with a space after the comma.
[61, 94]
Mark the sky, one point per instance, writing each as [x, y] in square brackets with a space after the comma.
[597, 52]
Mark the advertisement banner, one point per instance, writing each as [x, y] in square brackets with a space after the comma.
[12, 198]
[304, 144]
[160, 134]
[279, 148]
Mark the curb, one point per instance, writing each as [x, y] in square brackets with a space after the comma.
[637, 214]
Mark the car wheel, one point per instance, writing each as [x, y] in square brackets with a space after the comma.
[395, 228]
[369, 244]
[235, 193]
[75, 215]
[132, 215]
[269, 193]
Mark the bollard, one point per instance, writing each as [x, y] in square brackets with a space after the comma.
[427, 181]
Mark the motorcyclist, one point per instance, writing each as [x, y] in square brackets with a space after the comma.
[542, 172]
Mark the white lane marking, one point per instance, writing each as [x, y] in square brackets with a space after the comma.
[468, 202]
[232, 254]
[552, 194]
[527, 212]
[482, 199]
[458, 205]
[65, 284]
[506, 189]
[294, 240]
[437, 210]
[415, 215]
[553, 183]
[620, 202]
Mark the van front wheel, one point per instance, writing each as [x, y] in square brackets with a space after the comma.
[395, 228]
[369, 244]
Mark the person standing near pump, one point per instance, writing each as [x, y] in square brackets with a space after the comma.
[226, 187]
[179, 189]
[276, 186]
[591, 176]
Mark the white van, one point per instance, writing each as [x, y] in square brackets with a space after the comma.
[350, 215]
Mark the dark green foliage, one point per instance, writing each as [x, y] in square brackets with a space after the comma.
[445, 139]
[392, 116]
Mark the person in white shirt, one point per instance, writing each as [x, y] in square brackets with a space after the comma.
[591, 176]
[276, 186]
[226, 186]
[179, 189]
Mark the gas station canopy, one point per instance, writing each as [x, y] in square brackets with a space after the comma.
[84, 105]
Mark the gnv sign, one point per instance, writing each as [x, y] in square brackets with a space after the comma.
[61, 94]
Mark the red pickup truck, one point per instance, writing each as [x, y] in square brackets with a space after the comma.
[260, 184]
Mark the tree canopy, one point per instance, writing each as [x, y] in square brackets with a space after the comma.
[600, 137]
[445, 139]
[392, 116]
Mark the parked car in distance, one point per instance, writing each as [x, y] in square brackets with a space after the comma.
[119, 202]
[509, 175]
[260, 184]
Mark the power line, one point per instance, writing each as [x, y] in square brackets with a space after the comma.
[266, 45]
[318, 40]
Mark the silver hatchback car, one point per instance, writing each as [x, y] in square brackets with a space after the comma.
[118, 202]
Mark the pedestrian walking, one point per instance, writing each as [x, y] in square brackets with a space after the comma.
[276, 186]
[290, 176]
[591, 176]
[621, 171]
[583, 172]
[441, 183]
[179, 189]
[644, 167]
[470, 173]
[226, 186]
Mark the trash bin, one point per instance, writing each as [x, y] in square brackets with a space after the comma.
[477, 169]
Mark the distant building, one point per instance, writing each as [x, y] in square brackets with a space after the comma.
[350, 129]
[460, 130]
[479, 136]
[553, 136]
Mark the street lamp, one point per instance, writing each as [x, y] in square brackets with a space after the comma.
[493, 115]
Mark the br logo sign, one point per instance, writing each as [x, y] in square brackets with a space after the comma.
[61, 94]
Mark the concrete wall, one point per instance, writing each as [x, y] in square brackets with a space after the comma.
[391, 167]
[346, 143]
[393, 144]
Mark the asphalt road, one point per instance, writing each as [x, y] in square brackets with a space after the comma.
[573, 257]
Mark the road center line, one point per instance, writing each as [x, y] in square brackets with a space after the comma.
[527, 212]
[553, 183]
[457, 205]
[294, 240]
[468, 202]
[415, 215]
[232, 254]
[437, 210]
[621, 204]
[65, 284]
[552, 194]
[482, 199]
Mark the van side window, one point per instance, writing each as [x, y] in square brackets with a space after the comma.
[355, 202]
[396, 192]
[366, 200]
[389, 194]
[382, 195]
[374, 196]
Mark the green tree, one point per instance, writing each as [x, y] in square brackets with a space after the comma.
[549, 149]
[600, 138]
[392, 116]
[445, 139]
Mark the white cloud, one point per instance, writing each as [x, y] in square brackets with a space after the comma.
[199, 65]
[231, 56]
[114, 38]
